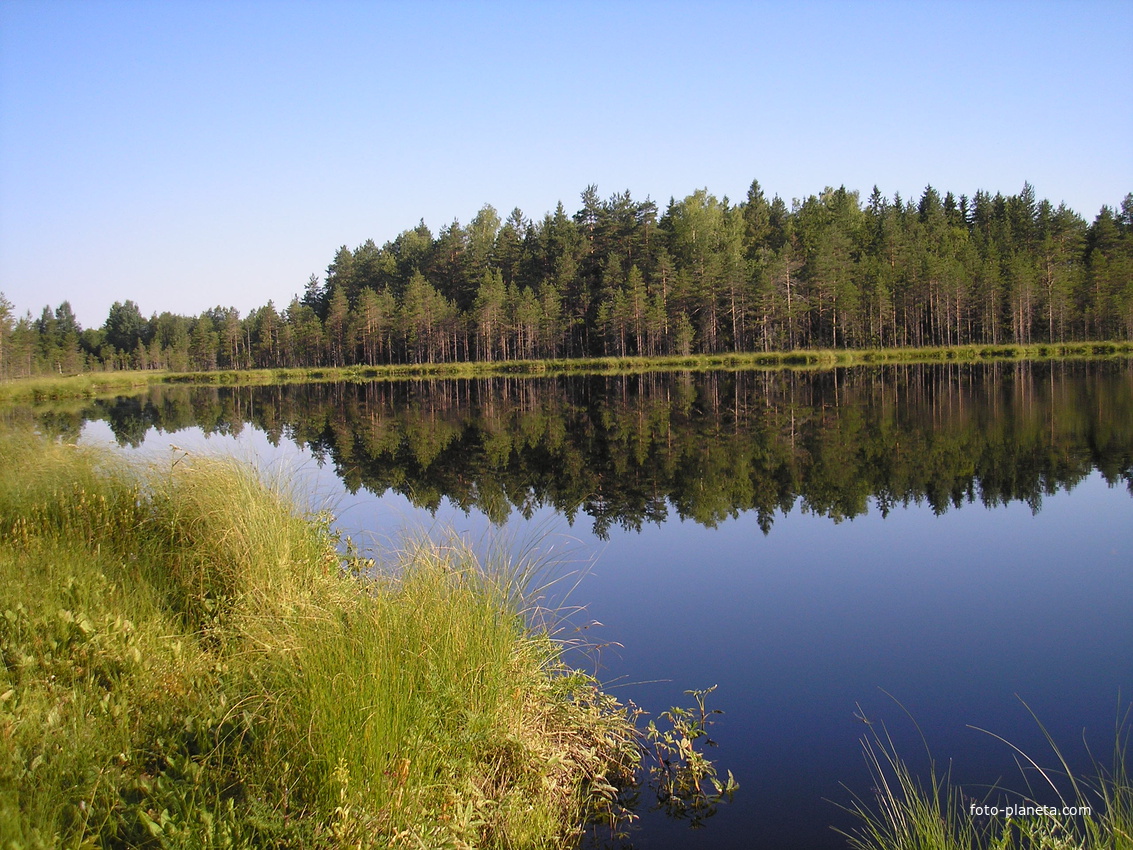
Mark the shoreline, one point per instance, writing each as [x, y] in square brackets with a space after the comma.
[94, 384]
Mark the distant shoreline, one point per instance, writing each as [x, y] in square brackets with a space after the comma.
[91, 384]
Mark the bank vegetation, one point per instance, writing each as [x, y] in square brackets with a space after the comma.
[189, 662]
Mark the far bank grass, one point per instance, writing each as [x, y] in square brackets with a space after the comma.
[187, 663]
[808, 359]
[86, 385]
[47, 388]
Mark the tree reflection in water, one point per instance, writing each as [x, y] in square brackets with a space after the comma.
[628, 450]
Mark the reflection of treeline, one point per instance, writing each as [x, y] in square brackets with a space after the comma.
[628, 450]
[620, 277]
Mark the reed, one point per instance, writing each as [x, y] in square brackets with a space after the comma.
[908, 812]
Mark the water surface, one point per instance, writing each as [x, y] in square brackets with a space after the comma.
[950, 542]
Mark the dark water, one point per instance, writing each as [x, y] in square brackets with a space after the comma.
[951, 542]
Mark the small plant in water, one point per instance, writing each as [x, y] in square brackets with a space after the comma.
[686, 781]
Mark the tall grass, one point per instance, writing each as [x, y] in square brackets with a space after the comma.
[187, 662]
[798, 359]
[911, 813]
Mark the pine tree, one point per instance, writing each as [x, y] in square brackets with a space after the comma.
[488, 316]
[7, 325]
[337, 327]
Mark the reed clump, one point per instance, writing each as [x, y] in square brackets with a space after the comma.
[189, 662]
[1076, 812]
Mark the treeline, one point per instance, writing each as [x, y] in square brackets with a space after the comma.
[619, 277]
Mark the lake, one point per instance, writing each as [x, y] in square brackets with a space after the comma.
[934, 548]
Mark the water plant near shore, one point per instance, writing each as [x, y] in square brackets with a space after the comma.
[686, 781]
[187, 663]
[907, 813]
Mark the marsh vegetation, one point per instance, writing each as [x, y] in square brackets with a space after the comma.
[188, 662]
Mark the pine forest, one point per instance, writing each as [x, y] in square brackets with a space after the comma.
[621, 277]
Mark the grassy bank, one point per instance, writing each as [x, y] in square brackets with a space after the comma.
[811, 359]
[87, 385]
[49, 388]
[188, 664]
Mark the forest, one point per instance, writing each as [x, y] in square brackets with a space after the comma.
[620, 277]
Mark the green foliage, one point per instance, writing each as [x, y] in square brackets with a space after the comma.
[685, 780]
[125, 327]
[704, 277]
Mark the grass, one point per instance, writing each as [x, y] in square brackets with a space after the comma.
[1089, 813]
[188, 663]
[801, 359]
[49, 388]
[86, 385]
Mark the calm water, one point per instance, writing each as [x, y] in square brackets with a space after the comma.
[957, 540]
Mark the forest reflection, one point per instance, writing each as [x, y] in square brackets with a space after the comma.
[627, 450]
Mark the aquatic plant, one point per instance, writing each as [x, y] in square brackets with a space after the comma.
[684, 778]
[93, 384]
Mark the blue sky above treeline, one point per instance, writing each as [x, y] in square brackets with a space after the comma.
[192, 154]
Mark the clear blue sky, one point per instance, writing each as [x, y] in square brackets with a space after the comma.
[190, 154]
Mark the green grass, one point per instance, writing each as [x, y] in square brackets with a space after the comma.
[48, 388]
[908, 813]
[802, 359]
[187, 663]
[87, 385]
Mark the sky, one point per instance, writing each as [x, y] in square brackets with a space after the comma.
[188, 155]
